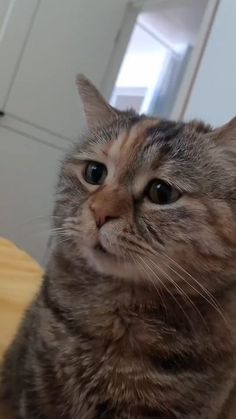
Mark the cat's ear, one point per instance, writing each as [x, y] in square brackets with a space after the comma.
[97, 111]
[225, 136]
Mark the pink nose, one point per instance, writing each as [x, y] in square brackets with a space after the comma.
[102, 215]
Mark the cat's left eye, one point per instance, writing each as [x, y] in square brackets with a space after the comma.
[95, 173]
[161, 193]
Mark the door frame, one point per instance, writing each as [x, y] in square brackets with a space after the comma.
[120, 44]
[193, 66]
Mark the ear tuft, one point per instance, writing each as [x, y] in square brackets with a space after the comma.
[97, 111]
[225, 139]
[227, 133]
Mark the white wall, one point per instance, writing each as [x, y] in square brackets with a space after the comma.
[213, 96]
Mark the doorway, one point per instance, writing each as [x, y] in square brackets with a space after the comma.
[161, 54]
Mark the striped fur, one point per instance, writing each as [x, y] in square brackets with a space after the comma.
[146, 328]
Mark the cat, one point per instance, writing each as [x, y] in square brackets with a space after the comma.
[136, 315]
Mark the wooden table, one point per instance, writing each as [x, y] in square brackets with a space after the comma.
[20, 277]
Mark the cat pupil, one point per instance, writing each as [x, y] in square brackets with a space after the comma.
[95, 173]
[161, 193]
[164, 192]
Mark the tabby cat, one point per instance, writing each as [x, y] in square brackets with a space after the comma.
[136, 316]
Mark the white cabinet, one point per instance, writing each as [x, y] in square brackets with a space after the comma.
[43, 45]
[27, 180]
[16, 18]
[66, 37]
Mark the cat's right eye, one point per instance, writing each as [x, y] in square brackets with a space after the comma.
[95, 173]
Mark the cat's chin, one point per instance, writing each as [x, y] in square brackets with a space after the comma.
[106, 263]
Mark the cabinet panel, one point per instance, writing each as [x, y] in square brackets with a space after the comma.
[67, 37]
[27, 177]
[16, 18]
[4, 7]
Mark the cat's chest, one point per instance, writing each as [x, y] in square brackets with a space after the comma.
[130, 360]
[124, 333]
[123, 356]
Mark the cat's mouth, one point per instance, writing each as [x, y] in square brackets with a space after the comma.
[99, 248]
[108, 260]
[101, 251]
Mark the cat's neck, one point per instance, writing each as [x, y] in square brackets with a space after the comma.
[93, 294]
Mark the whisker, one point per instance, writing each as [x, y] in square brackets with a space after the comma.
[207, 297]
[158, 290]
[56, 229]
[180, 290]
[169, 292]
[190, 276]
[153, 283]
[63, 241]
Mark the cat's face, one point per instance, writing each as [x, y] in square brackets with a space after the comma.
[146, 198]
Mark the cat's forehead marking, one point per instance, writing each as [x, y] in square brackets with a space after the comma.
[114, 147]
[126, 144]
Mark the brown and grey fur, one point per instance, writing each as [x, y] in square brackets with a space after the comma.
[146, 330]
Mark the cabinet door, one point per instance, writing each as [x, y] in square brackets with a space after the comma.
[66, 37]
[16, 18]
[27, 178]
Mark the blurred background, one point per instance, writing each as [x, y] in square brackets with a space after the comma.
[169, 58]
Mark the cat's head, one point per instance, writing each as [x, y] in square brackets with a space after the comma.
[143, 197]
